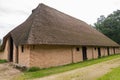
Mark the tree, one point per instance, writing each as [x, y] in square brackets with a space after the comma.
[99, 24]
[110, 26]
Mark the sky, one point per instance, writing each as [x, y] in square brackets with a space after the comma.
[14, 12]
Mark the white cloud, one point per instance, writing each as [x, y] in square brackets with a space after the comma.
[5, 28]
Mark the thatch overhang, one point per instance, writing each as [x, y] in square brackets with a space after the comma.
[49, 26]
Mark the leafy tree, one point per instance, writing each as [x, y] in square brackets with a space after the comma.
[110, 26]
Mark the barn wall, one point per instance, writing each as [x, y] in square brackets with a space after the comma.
[106, 53]
[45, 56]
[117, 50]
[111, 51]
[90, 54]
[1, 54]
[48, 55]
[102, 51]
[77, 55]
[95, 52]
[24, 57]
[14, 53]
[4, 54]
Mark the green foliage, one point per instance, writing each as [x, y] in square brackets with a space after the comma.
[113, 75]
[55, 70]
[3, 61]
[21, 68]
[110, 26]
[32, 69]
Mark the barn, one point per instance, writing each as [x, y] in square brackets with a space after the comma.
[51, 38]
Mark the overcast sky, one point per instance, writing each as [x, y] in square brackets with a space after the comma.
[14, 12]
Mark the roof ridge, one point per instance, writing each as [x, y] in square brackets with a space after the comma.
[47, 25]
[34, 11]
[42, 4]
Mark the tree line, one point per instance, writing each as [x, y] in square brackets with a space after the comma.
[110, 25]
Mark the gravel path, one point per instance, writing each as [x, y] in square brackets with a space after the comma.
[87, 73]
[7, 72]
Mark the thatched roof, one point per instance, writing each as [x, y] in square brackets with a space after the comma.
[49, 26]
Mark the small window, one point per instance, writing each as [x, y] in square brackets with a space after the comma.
[22, 48]
[77, 49]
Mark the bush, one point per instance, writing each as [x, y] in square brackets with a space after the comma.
[3, 61]
[21, 68]
[32, 69]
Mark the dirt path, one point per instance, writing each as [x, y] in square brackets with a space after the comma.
[87, 73]
[92, 72]
[7, 72]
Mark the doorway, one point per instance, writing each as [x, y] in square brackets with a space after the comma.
[108, 51]
[84, 52]
[10, 57]
[114, 50]
[17, 55]
[99, 52]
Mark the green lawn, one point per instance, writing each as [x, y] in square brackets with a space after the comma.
[113, 75]
[60, 69]
[3, 61]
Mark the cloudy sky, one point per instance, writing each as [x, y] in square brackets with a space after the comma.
[14, 12]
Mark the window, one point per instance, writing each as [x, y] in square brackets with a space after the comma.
[77, 49]
[22, 48]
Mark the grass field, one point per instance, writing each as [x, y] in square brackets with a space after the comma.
[60, 69]
[113, 75]
[3, 61]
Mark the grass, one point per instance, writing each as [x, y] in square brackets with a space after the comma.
[113, 75]
[33, 69]
[60, 69]
[3, 61]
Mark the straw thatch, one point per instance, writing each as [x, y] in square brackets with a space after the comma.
[49, 26]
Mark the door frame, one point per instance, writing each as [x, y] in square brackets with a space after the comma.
[114, 50]
[108, 51]
[84, 53]
[99, 52]
[17, 55]
[10, 52]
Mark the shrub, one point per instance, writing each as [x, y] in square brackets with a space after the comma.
[3, 61]
[32, 69]
[21, 68]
